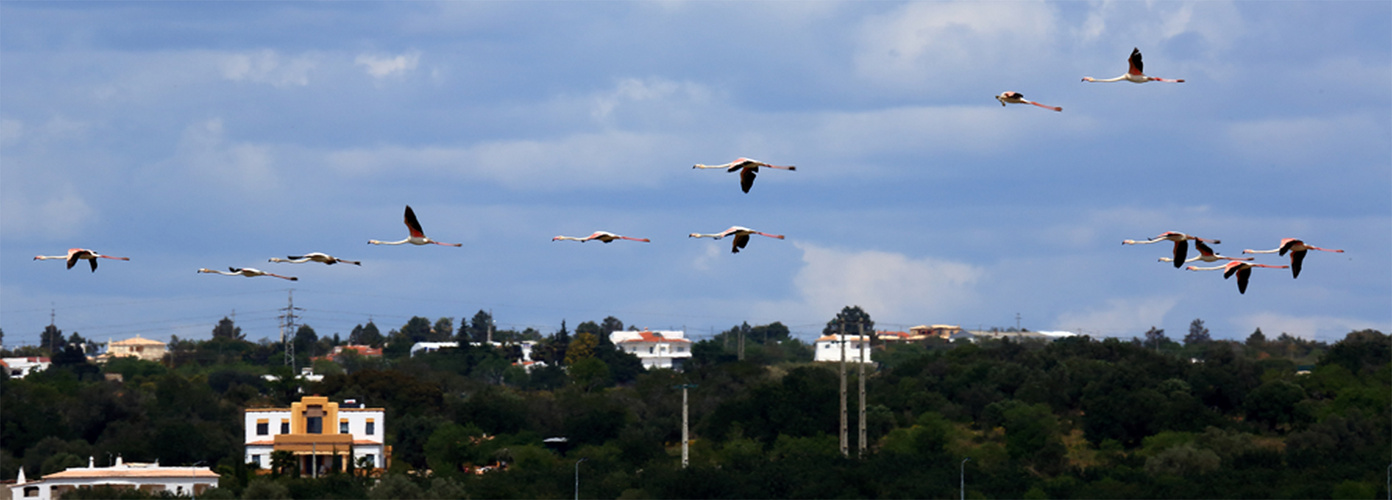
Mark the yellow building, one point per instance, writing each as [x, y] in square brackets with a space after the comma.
[146, 349]
[307, 430]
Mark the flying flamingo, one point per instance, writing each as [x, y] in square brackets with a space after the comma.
[741, 236]
[417, 235]
[76, 254]
[1297, 249]
[1243, 270]
[1181, 244]
[604, 236]
[1018, 98]
[1135, 74]
[314, 257]
[1206, 254]
[747, 168]
[248, 272]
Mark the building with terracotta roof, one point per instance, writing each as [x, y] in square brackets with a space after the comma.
[656, 349]
[307, 429]
[829, 348]
[939, 331]
[146, 349]
[148, 478]
[23, 366]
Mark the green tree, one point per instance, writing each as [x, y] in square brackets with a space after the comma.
[305, 339]
[583, 347]
[479, 326]
[1155, 337]
[1256, 339]
[284, 464]
[366, 335]
[1274, 403]
[418, 329]
[851, 317]
[266, 489]
[611, 325]
[443, 329]
[52, 339]
[589, 373]
[1198, 334]
[226, 329]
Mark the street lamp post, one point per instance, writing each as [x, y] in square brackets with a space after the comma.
[962, 484]
[577, 478]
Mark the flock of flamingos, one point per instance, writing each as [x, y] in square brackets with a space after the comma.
[748, 169]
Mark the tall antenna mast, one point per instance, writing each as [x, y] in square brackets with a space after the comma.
[287, 331]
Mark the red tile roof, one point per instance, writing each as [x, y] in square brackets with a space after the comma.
[649, 336]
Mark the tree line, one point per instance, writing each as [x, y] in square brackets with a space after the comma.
[1077, 417]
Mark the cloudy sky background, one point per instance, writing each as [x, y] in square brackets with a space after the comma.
[198, 134]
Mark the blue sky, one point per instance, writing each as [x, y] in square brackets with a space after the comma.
[215, 134]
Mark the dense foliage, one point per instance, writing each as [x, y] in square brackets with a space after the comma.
[1073, 418]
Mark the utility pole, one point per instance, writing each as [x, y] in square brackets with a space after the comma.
[845, 445]
[52, 323]
[741, 342]
[686, 440]
[860, 448]
[490, 327]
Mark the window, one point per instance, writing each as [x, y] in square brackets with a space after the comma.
[256, 459]
[343, 426]
[33, 491]
[371, 428]
[262, 428]
[371, 460]
[314, 419]
[284, 426]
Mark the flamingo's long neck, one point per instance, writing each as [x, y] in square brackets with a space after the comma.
[1274, 250]
[376, 242]
[1117, 79]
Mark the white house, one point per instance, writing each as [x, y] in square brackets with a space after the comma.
[660, 349]
[307, 429]
[526, 346]
[22, 367]
[148, 478]
[828, 348]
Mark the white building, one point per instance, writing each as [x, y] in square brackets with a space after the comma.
[22, 367]
[660, 349]
[308, 430]
[148, 478]
[828, 348]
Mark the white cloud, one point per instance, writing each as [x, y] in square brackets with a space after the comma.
[384, 66]
[59, 213]
[892, 287]
[1323, 328]
[1218, 23]
[924, 41]
[205, 152]
[1118, 316]
[651, 91]
[268, 67]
